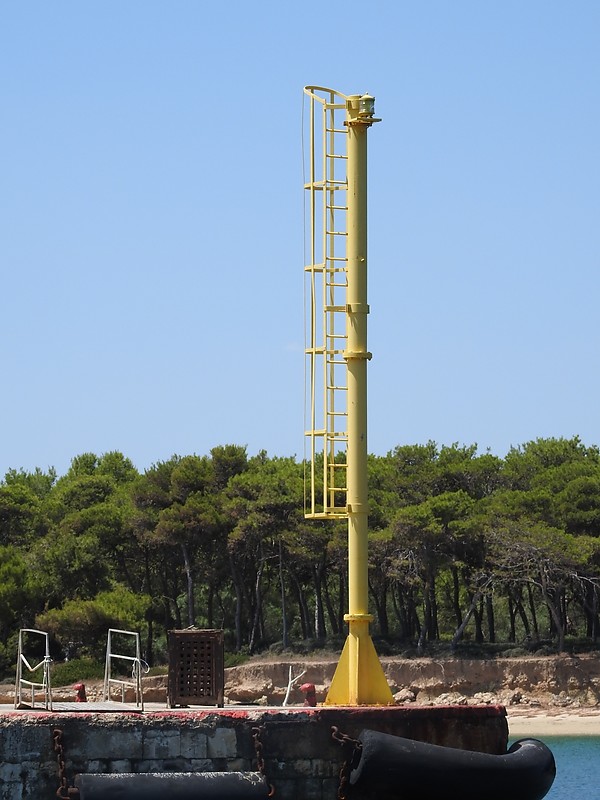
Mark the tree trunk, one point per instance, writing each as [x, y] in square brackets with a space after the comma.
[150, 639]
[414, 623]
[149, 657]
[210, 605]
[491, 621]
[190, 585]
[553, 609]
[256, 621]
[518, 599]
[333, 619]
[512, 630]
[534, 619]
[305, 622]
[477, 614]
[430, 621]
[239, 602]
[458, 633]
[170, 593]
[317, 573]
[284, 624]
[456, 596]
[398, 610]
[590, 604]
[341, 598]
[425, 631]
[380, 599]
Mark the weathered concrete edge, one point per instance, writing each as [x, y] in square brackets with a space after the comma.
[301, 757]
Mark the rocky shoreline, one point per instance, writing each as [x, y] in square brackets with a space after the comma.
[549, 684]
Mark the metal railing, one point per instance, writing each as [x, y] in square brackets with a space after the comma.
[138, 666]
[33, 688]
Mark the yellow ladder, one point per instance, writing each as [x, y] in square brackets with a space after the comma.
[326, 306]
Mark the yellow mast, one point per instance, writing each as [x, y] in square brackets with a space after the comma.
[359, 677]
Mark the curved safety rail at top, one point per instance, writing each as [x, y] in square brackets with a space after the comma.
[332, 94]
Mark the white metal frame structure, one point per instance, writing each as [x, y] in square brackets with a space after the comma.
[33, 688]
[136, 669]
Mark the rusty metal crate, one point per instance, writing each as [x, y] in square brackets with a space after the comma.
[196, 668]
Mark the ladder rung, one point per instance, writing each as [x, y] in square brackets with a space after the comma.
[327, 183]
[336, 155]
[336, 233]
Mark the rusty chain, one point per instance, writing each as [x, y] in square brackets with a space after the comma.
[260, 760]
[64, 790]
[347, 742]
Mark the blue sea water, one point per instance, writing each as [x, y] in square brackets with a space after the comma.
[577, 767]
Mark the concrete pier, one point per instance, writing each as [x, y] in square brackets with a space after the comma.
[301, 758]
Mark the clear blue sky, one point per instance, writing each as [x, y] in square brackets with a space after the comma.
[151, 222]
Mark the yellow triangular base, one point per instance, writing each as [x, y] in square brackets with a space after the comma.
[359, 679]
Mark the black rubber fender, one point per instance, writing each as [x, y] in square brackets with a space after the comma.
[403, 769]
[173, 786]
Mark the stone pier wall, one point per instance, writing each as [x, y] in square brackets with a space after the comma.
[301, 758]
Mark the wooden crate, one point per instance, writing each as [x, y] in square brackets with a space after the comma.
[196, 668]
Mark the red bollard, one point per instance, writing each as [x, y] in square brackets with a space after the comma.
[80, 696]
[310, 694]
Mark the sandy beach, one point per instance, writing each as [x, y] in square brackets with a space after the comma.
[539, 723]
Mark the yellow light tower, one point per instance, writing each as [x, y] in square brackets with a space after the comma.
[337, 358]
